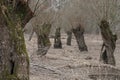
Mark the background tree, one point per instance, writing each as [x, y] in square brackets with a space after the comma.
[69, 37]
[109, 43]
[106, 15]
[57, 39]
[70, 17]
[78, 32]
[42, 24]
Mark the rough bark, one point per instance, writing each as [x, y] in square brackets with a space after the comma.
[69, 37]
[14, 59]
[23, 11]
[43, 38]
[79, 35]
[57, 39]
[109, 44]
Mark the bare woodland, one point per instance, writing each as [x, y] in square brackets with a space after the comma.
[59, 39]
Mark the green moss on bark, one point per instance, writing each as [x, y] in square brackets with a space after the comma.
[18, 45]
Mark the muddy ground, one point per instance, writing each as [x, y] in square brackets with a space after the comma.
[57, 63]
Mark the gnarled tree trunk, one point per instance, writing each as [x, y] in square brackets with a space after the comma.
[109, 44]
[43, 38]
[14, 61]
[79, 35]
[57, 39]
[69, 37]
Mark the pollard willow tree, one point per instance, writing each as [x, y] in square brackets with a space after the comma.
[42, 24]
[14, 61]
[57, 39]
[69, 37]
[73, 20]
[106, 13]
[77, 23]
[57, 5]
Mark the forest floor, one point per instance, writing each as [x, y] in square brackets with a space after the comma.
[56, 64]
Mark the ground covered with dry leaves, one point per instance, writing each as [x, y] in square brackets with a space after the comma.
[60, 64]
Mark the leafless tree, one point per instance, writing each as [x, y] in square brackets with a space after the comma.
[14, 60]
[57, 39]
[73, 20]
[106, 15]
[42, 23]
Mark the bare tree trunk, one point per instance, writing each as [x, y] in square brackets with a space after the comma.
[13, 55]
[57, 39]
[79, 35]
[109, 44]
[4, 50]
[14, 59]
[69, 38]
[43, 39]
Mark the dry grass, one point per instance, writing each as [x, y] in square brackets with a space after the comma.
[57, 65]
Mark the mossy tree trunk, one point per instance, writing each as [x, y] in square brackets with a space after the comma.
[43, 38]
[57, 39]
[14, 59]
[69, 37]
[109, 44]
[79, 35]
